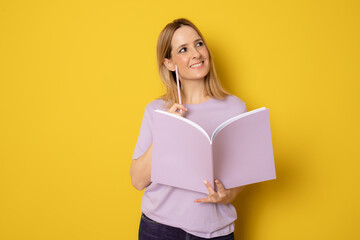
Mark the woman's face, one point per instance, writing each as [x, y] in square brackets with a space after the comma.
[189, 53]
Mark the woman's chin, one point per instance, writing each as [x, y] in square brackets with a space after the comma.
[198, 75]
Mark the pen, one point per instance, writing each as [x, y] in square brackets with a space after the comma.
[178, 85]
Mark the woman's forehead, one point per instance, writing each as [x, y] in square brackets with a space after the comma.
[184, 35]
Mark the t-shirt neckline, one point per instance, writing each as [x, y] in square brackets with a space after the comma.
[199, 104]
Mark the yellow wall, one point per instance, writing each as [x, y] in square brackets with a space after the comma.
[75, 77]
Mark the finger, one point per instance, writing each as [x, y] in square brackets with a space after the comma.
[219, 186]
[203, 200]
[177, 106]
[172, 109]
[180, 106]
[209, 187]
[181, 111]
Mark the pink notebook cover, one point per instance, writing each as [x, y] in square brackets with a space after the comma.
[238, 153]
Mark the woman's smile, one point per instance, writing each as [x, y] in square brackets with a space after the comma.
[197, 65]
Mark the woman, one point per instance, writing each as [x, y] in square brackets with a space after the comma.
[169, 212]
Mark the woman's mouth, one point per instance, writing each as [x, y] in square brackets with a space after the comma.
[196, 65]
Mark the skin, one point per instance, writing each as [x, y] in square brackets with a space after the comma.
[188, 49]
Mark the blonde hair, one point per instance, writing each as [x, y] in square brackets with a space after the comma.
[212, 85]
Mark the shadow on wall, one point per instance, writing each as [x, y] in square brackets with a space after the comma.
[245, 209]
[250, 202]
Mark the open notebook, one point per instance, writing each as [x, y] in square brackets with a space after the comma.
[239, 152]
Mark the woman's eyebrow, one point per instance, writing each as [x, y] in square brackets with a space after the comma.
[183, 45]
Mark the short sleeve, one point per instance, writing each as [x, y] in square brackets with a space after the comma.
[145, 136]
[244, 108]
[240, 105]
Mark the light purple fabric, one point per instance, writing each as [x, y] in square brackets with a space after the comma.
[174, 206]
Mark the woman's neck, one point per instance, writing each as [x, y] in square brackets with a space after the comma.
[194, 92]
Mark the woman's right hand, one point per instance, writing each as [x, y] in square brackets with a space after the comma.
[176, 109]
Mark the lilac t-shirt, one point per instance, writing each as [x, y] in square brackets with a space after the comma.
[175, 206]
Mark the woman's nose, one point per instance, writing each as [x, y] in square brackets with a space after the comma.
[196, 53]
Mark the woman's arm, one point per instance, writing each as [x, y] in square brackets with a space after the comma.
[140, 170]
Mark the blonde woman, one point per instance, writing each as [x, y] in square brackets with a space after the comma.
[169, 212]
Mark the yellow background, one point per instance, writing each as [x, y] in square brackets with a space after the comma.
[75, 77]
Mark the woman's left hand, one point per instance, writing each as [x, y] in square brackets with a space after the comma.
[222, 195]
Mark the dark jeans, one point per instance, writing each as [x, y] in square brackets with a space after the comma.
[151, 230]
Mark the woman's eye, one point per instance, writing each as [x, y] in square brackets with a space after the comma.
[199, 44]
[182, 50]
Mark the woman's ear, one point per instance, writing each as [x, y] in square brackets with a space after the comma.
[169, 64]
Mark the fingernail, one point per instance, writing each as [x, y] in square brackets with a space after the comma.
[205, 181]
